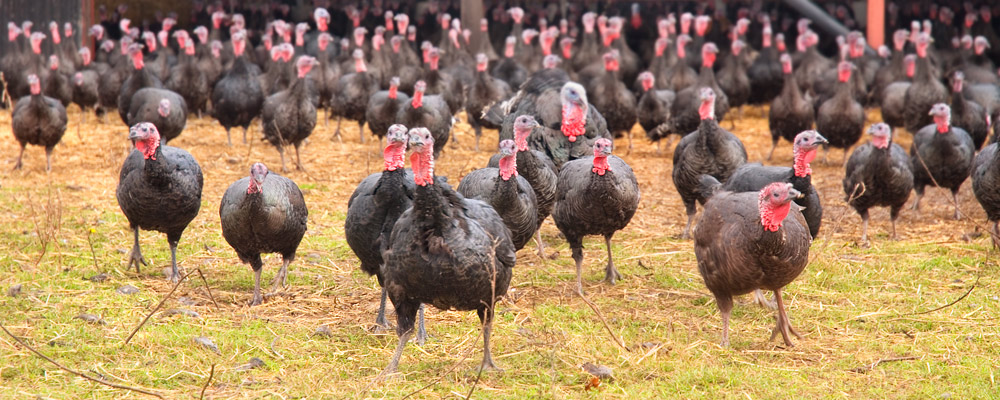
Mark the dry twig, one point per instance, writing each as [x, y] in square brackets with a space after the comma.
[164, 300]
[866, 368]
[77, 373]
[211, 374]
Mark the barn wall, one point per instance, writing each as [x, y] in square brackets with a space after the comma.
[41, 12]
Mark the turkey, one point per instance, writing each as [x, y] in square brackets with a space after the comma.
[39, 120]
[710, 150]
[481, 94]
[893, 103]
[289, 116]
[613, 100]
[747, 241]
[507, 69]
[791, 111]
[923, 93]
[263, 213]
[765, 72]
[140, 78]
[374, 207]
[569, 124]
[447, 251]
[537, 169]
[985, 180]
[595, 196]
[508, 193]
[237, 98]
[941, 155]
[164, 108]
[653, 109]
[841, 118]
[383, 106]
[681, 76]
[85, 90]
[878, 174]
[429, 112]
[754, 177]
[442, 83]
[351, 95]
[969, 115]
[189, 80]
[56, 85]
[733, 79]
[685, 110]
[159, 189]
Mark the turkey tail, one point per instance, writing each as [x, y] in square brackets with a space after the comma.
[708, 186]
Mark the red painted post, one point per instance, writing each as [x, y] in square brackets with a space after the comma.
[876, 23]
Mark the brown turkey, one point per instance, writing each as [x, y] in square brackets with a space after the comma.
[841, 118]
[878, 174]
[39, 120]
[941, 155]
[748, 241]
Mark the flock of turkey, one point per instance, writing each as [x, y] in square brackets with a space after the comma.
[557, 113]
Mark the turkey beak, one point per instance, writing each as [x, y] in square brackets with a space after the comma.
[416, 142]
[820, 140]
[795, 194]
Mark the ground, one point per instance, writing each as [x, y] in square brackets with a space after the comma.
[854, 305]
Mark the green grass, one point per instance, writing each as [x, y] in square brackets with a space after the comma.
[853, 305]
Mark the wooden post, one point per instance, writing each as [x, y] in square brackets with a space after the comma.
[876, 23]
[472, 12]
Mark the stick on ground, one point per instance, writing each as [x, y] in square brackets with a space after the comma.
[77, 373]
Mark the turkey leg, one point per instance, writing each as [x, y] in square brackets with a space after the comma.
[541, 244]
[954, 197]
[174, 275]
[245, 129]
[774, 145]
[893, 215]
[281, 152]
[610, 273]
[48, 168]
[361, 131]
[691, 210]
[381, 324]
[578, 258]
[336, 133]
[486, 317]
[281, 278]
[864, 227]
[759, 297]
[421, 331]
[17, 165]
[394, 361]
[298, 161]
[995, 233]
[405, 313]
[229, 140]
[784, 326]
[479, 132]
[135, 257]
[725, 308]
[257, 298]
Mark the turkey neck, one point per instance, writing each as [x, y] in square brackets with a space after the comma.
[791, 89]
[923, 74]
[706, 77]
[240, 67]
[432, 207]
[506, 191]
[156, 172]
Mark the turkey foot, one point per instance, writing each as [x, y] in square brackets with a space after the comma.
[173, 274]
[421, 331]
[611, 274]
[763, 301]
[17, 165]
[487, 364]
[390, 371]
[541, 248]
[381, 324]
[784, 326]
[135, 256]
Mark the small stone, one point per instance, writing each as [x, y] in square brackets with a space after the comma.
[945, 395]
[180, 311]
[91, 318]
[253, 363]
[187, 301]
[101, 277]
[324, 331]
[207, 343]
[14, 291]
[233, 160]
[599, 371]
[127, 290]
[122, 250]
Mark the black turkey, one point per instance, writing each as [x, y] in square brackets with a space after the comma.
[878, 174]
[447, 251]
[263, 213]
[164, 108]
[39, 120]
[508, 193]
[159, 189]
[941, 155]
[289, 116]
[595, 196]
[237, 98]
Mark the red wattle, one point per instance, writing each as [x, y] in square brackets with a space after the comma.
[423, 168]
[601, 166]
[771, 217]
[418, 99]
[508, 167]
[574, 120]
[707, 110]
[802, 160]
[395, 157]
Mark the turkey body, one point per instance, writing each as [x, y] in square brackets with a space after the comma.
[144, 108]
[289, 118]
[878, 178]
[39, 120]
[791, 112]
[737, 255]
[237, 98]
[985, 182]
[270, 221]
[948, 158]
[513, 199]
